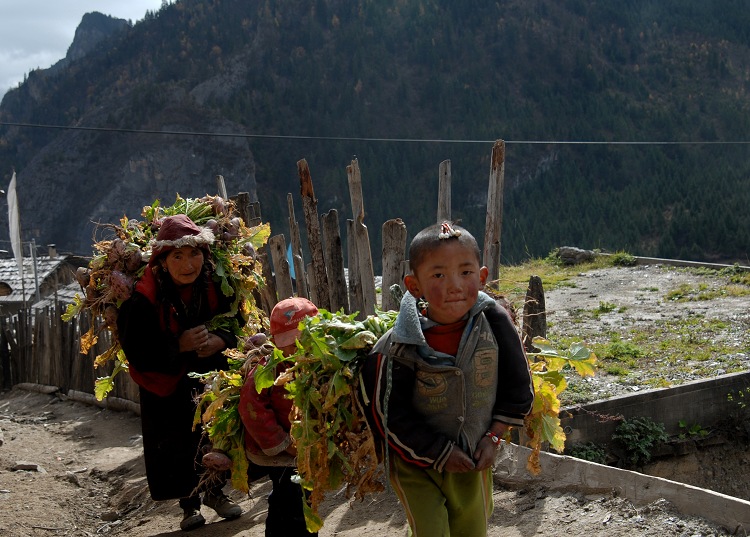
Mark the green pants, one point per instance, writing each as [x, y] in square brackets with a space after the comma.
[443, 504]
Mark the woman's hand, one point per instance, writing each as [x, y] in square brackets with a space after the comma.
[193, 338]
[212, 345]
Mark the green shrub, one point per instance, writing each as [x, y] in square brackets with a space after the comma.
[623, 259]
[589, 452]
[639, 436]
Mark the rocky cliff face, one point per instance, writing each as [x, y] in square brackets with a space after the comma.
[94, 28]
[137, 170]
[84, 179]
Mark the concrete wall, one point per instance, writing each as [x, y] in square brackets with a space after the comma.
[568, 473]
[701, 403]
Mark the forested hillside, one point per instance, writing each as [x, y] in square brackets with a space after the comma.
[625, 122]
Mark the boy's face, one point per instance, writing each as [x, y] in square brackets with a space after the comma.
[449, 279]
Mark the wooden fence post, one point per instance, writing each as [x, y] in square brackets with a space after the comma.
[5, 355]
[70, 347]
[334, 257]
[494, 221]
[242, 206]
[394, 253]
[277, 245]
[356, 303]
[298, 261]
[444, 192]
[265, 297]
[26, 368]
[534, 313]
[319, 279]
[364, 253]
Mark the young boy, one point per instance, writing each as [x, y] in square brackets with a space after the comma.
[265, 416]
[445, 384]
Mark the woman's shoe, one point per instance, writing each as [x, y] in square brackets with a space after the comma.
[191, 519]
[223, 506]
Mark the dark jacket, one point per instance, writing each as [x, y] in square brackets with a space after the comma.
[149, 324]
[426, 402]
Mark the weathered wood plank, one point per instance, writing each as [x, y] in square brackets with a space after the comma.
[319, 278]
[356, 302]
[494, 221]
[394, 253]
[534, 313]
[277, 245]
[334, 257]
[444, 192]
[294, 237]
[361, 235]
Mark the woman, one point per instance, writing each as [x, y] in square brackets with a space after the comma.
[163, 333]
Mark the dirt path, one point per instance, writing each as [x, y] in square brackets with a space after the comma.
[69, 469]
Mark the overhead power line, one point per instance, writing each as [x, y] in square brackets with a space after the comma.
[369, 139]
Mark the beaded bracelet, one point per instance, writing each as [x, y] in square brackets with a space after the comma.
[494, 438]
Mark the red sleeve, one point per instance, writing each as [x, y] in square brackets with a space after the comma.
[260, 418]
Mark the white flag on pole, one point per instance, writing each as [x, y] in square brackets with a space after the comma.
[14, 221]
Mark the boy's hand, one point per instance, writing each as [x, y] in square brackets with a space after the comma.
[458, 461]
[487, 449]
[485, 454]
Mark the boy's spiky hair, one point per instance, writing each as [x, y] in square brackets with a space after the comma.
[433, 237]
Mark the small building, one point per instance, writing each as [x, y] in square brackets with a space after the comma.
[43, 278]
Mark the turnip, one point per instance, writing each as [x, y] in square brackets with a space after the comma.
[110, 315]
[249, 250]
[213, 225]
[83, 275]
[217, 460]
[258, 339]
[120, 285]
[219, 205]
[133, 259]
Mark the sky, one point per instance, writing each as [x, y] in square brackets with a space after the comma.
[37, 33]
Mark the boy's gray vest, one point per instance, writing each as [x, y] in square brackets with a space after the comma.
[456, 400]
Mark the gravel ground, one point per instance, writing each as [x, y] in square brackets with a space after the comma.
[651, 326]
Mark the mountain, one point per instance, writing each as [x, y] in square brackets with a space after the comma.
[626, 124]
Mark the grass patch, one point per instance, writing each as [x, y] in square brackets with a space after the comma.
[606, 307]
[621, 351]
[616, 370]
[514, 279]
[690, 293]
[660, 353]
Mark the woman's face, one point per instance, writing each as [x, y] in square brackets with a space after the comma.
[184, 264]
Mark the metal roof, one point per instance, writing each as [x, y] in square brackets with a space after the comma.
[65, 295]
[46, 266]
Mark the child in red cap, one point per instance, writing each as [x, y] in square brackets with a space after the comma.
[265, 415]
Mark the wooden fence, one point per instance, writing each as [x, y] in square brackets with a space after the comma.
[38, 349]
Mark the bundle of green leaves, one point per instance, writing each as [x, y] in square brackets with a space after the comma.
[120, 259]
[334, 444]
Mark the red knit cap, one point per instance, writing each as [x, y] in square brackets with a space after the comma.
[178, 231]
[286, 316]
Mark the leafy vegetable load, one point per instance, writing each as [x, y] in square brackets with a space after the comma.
[217, 410]
[120, 259]
[335, 446]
